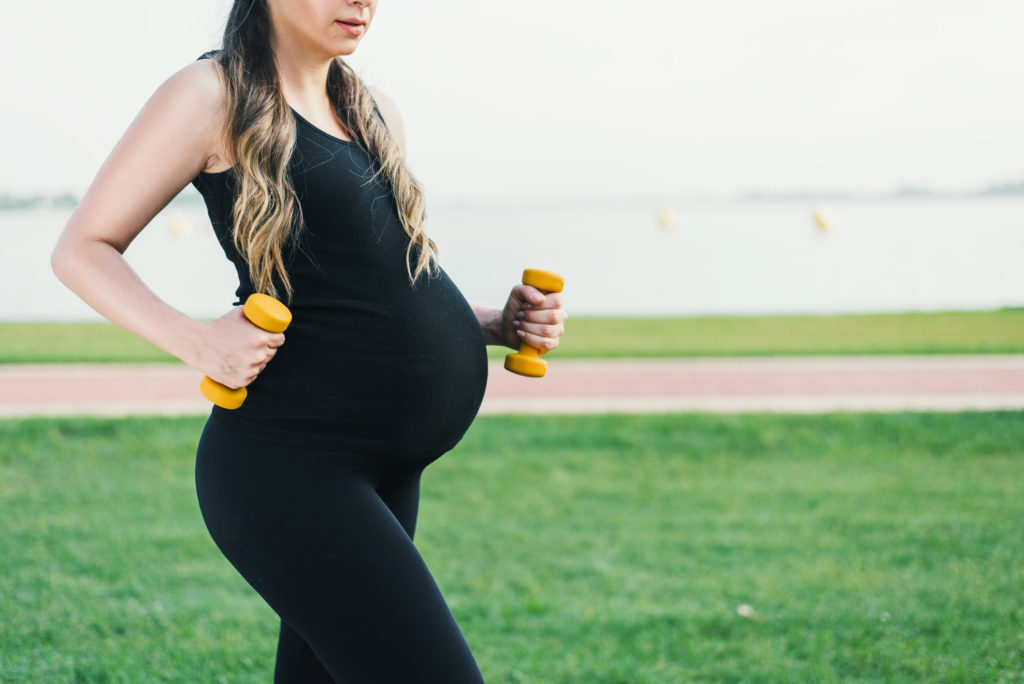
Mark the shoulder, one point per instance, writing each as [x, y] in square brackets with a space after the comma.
[197, 86]
[392, 116]
[192, 96]
[195, 97]
[385, 103]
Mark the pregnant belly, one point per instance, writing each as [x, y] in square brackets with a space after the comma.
[403, 374]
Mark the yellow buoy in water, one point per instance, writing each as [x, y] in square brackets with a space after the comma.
[667, 218]
[179, 225]
[822, 220]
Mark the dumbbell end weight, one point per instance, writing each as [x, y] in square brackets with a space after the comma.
[526, 362]
[545, 281]
[266, 312]
[222, 395]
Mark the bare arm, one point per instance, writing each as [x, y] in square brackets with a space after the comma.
[170, 141]
[489, 319]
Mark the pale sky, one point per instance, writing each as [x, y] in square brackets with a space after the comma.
[580, 97]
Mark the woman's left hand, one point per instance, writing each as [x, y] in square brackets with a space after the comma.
[533, 317]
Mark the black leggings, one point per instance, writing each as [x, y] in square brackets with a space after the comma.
[325, 537]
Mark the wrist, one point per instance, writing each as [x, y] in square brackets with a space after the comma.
[492, 329]
[490, 324]
[188, 344]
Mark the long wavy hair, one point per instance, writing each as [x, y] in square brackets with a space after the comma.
[260, 134]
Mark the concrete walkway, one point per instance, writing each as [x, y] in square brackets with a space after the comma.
[729, 385]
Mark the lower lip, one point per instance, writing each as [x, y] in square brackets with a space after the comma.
[353, 30]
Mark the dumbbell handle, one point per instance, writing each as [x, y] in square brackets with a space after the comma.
[264, 312]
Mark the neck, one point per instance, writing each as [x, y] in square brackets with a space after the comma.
[303, 73]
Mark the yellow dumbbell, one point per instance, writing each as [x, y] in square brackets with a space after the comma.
[526, 361]
[262, 311]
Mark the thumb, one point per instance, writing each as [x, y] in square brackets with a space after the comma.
[527, 294]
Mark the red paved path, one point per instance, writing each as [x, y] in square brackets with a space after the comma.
[803, 384]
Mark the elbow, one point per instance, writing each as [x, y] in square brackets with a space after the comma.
[63, 259]
[75, 258]
[59, 261]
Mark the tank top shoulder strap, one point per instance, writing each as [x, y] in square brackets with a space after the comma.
[376, 109]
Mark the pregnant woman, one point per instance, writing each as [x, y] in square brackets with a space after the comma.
[311, 488]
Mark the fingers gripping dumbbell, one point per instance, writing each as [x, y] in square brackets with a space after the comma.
[264, 312]
[527, 360]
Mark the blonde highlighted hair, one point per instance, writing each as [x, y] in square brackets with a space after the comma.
[260, 134]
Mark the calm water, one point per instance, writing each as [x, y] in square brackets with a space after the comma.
[717, 258]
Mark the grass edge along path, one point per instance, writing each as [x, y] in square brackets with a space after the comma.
[955, 332]
[599, 549]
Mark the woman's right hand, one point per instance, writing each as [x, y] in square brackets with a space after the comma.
[233, 351]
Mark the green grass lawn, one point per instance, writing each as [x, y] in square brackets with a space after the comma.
[592, 549]
[966, 332]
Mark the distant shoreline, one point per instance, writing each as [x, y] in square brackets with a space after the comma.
[190, 197]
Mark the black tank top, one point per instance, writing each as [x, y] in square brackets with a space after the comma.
[369, 361]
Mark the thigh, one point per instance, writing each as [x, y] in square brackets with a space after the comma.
[296, 662]
[310, 532]
[364, 601]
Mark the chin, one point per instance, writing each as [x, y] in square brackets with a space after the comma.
[343, 50]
